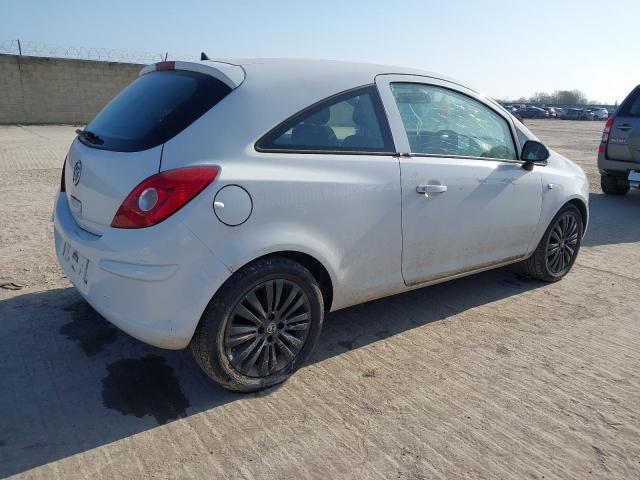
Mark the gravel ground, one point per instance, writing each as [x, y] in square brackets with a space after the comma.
[490, 376]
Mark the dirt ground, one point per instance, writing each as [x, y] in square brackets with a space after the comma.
[490, 376]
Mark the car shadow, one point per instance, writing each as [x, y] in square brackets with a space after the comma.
[613, 220]
[71, 382]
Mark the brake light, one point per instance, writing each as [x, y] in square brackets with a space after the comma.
[607, 129]
[161, 66]
[161, 195]
[63, 187]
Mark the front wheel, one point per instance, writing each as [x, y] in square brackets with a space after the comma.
[261, 326]
[558, 248]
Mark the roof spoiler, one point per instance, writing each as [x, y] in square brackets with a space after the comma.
[228, 73]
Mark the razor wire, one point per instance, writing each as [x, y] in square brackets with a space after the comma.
[38, 49]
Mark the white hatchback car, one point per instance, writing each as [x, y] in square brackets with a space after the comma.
[229, 205]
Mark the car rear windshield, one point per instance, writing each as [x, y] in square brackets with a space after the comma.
[153, 109]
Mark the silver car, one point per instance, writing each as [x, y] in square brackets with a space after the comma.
[227, 206]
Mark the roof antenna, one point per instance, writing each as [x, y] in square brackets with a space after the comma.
[203, 56]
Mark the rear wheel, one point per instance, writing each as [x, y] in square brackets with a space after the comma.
[558, 248]
[614, 185]
[261, 326]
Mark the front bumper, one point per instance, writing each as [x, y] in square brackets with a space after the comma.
[153, 283]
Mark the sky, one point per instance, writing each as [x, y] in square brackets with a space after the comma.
[504, 49]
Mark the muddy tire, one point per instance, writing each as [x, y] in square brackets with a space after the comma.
[614, 185]
[260, 326]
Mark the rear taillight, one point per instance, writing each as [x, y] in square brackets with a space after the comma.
[163, 66]
[161, 195]
[606, 133]
[607, 129]
[63, 187]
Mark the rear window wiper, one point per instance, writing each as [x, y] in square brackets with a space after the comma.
[89, 136]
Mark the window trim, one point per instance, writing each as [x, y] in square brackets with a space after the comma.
[290, 121]
[624, 110]
[515, 141]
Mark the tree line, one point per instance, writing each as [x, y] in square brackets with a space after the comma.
[557, 97]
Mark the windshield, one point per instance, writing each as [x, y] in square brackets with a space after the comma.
[153, 109]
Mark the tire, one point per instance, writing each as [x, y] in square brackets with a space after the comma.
[551, 265]
[614, 185]
[219, 345]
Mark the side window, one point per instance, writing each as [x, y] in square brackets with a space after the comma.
[353, 121]
[440, 121]
[631, 107]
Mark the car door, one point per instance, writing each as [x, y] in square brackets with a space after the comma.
[467, 203]
[624, 140]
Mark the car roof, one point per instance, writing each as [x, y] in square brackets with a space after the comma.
[270, 90]
[297, 70]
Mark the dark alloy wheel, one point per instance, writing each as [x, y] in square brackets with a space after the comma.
[562, 243]
[260, 326]
[558, 248]
[268, 328]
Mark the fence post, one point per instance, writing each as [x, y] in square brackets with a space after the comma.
[19, 48]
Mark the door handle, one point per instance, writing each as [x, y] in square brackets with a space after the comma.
[429, 188]
[624, 127]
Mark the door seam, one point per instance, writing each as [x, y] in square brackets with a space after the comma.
[401, 221]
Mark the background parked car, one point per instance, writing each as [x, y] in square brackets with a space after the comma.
[599, 113]
[574, 114]
[533, 112]
[551, 111]
[513, 110]
[560, 112]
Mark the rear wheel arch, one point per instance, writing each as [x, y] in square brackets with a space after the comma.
[315, 267]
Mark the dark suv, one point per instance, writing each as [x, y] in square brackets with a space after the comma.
[619, 151]
[533, 112]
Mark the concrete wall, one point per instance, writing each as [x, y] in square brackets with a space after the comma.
[53, 90]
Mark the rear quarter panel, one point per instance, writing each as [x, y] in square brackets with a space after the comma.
[343, 210]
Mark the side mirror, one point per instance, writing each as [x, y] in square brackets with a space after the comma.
[533, 152]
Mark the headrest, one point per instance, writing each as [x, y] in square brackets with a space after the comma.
[321, 117]
[364, 114]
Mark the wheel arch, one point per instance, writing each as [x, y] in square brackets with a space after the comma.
[582, 208]
[311, 263]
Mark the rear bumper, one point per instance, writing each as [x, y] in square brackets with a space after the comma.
[615, 167]
[153, 283]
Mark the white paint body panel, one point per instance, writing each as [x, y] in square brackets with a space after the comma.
[153, 283]
[106, 179]
[358, 215]
[233, 205]
[447, 233]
